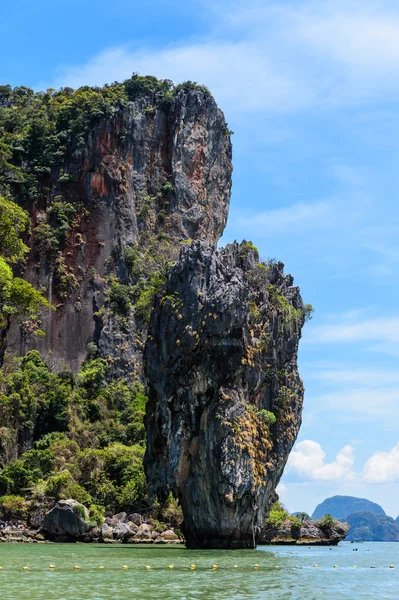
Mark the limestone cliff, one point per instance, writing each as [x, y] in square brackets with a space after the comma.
[144, 180]
[225, 396]
[128, 194]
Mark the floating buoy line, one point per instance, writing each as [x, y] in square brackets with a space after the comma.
[191, 567]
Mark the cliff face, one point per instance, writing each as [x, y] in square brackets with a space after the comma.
[143, 181]
[225, 396]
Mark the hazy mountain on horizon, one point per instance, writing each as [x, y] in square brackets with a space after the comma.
[340, 507]
[366, 526]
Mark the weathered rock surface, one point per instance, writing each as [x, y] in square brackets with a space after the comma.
[122, 531]
[145, 534]
[106, 532]
[36, 517]
[310, 533]
[15, 535]
[118, 518]
[169, 536]
[68, 519]
[144, 179]
[225, 396]
[135, 518]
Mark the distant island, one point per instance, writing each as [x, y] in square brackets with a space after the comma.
[341, 506]
[369, 527]
[367, 520]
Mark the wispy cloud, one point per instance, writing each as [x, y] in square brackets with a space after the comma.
[347, 226]
[356, 376]
[374, 330]
[258, 57]
[377, 404]
[364, 40]
[259, 86]
[295, 218]
[348, 392]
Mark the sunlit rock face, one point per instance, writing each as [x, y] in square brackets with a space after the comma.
[145, 178]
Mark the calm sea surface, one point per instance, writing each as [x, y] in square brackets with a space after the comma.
[296, 578]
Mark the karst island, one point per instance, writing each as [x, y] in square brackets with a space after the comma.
[150, 390]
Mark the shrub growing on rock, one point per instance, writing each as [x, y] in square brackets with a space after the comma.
[13, 507]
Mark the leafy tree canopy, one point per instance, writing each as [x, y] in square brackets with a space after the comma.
[13, 223]
[18, 298]
[85, 435]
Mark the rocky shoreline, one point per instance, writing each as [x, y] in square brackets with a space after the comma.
[68, 521]
[310, 533]
[14, 535]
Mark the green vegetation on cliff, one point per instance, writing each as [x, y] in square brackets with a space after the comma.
[40, 130]
[18, 299]
[64, 437]
[278, 514]
[44, 142]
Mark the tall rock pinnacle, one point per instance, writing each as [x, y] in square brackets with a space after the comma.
[225, 396]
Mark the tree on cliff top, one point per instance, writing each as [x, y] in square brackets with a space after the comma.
[18, 298]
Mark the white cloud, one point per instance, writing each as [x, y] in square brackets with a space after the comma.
[366, 42]
[382, 467]
[258, 57]
[308, 461]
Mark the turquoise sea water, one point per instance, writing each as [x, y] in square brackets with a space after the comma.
[296, 577]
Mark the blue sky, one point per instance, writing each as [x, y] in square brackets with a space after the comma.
[311, 91]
